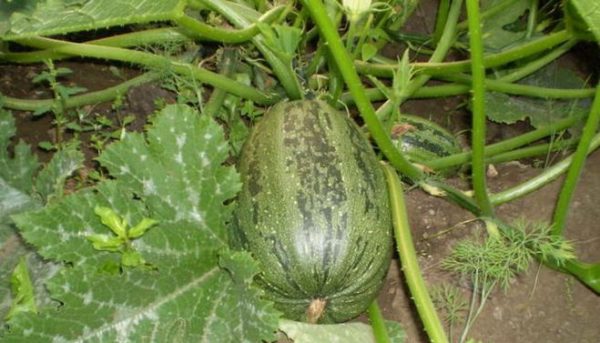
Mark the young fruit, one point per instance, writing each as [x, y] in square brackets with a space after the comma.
[421, 140]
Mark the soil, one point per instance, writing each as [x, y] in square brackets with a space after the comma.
[541, 305]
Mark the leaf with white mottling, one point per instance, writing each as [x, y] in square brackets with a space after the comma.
[53, 17]
[17, 171]
[50, 181]
[178, 169]
[192, 302]
[174, 175]
[16, 174]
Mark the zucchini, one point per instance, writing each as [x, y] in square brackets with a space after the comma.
[421, 140]
[314, 212]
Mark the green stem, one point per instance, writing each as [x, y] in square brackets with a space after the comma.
[375, 94]
[531, 151]
[532, 19]
[80, 100]
[378, 324]
[217, 97]
[506, 145]
[490, 61]
[562, 207]
[151, 61]
[138, 38]
[499, 7]
[441, 50]
[408, 258]
[440, 19]
[284, 72]
[340, 54]
[198, 30]
[478, 110]
[550, 174]
[536, 65]
[526, 90]
[451, 89]
[443, 46]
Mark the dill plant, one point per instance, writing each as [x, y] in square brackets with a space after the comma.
[500, 258]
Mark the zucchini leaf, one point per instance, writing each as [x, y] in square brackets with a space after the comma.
[583, 18]
[53, 17]
[191, 288]
[505, 28]
[508, 109]
[10, 7]
[18, 172]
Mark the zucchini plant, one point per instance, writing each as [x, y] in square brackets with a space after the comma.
[182, 267]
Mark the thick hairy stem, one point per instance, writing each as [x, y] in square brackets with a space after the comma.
[478, 110]
[408, 258]
[564, 199]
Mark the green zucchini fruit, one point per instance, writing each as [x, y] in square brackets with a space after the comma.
[421, 140]
[314, 212]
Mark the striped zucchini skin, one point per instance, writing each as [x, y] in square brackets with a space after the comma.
[314, 211]
[422, 140]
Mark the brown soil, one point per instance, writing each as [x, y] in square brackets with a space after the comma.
[542, 305]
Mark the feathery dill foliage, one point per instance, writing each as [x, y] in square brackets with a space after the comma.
[449, 299]
[500, 259]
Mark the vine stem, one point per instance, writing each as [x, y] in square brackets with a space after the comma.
[562, 207]
[506, 145]
[446, 41]
[124, 40]
[441, 19]
[151, 61]
[493, 10]
[80, 100]
[408, 258]
[493, 60]
[217, 97]
[478, 110]
[238, 15]
[525, 90]
[451, 89]
[549, 174]
[201, 31]
[346, 68]
[378, 324]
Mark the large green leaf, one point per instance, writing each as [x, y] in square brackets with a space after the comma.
[178, 169]
[508, 109]
[18, 170]
[50, 181]
[584, 16]
[192, 288]
[9, 7]
[52, 17]
[193, 301]
[17, 176]
[502, 29]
